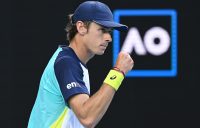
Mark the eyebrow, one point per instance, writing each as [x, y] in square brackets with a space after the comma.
[109, 30]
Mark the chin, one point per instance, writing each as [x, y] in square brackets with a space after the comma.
[100, 53]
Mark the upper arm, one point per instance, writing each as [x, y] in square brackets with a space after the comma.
[70, 78]
[76, 103]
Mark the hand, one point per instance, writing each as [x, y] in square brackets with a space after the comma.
[124, 62]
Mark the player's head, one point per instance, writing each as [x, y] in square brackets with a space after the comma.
[92, 11]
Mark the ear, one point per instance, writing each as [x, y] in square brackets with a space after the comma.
[82, 30]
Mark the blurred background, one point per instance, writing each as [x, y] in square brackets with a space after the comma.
[32, 30]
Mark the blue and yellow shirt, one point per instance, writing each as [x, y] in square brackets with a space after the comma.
[64, 76]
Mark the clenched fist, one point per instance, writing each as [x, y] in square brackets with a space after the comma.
[124, 62]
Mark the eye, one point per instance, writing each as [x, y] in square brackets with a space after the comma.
[106, 30]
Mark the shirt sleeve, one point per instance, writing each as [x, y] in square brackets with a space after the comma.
[70, 77]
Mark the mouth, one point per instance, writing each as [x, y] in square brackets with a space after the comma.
[104, 45]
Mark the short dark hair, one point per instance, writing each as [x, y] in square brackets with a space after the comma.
[71, 27]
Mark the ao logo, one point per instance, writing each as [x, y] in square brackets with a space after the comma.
[134, 41]
[158, 42]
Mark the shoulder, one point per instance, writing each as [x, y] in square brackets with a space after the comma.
[67, 55]
[67, 61]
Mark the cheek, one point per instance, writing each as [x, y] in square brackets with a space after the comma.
[95, 37]
[98, 36]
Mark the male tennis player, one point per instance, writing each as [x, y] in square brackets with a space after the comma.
[63, 99]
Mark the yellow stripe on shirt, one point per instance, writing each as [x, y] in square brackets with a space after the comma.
[59, 121]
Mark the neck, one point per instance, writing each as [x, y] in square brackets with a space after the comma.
[81, 51]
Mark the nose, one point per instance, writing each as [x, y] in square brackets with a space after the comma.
[107, 37]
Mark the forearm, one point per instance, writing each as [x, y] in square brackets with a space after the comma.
[90, 110]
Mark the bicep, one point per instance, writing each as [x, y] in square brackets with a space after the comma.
[77, 102]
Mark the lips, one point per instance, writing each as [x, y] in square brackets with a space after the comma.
[104, 45]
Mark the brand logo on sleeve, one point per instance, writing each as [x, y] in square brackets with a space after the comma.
[73, 85]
